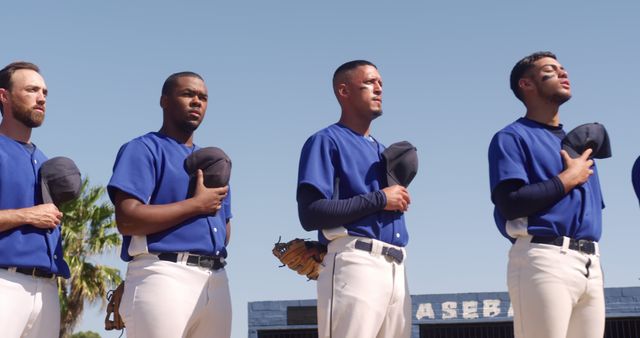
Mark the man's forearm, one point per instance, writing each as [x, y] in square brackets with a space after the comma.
[514, 199]
[316, 212]
[11, 218]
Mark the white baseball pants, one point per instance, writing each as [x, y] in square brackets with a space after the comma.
[362, 294]
[165, 299]
[29, 306]
[555, 292]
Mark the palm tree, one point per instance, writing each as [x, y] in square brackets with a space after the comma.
[88, 230]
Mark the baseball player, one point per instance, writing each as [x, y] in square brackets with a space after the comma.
[549, 205]
[30, 243]
[176, 284]
[342, 193]
[635, 177]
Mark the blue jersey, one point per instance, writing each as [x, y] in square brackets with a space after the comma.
[341, 164]
[26, 246]
[635, 177]
[528, 151]
[151, 169]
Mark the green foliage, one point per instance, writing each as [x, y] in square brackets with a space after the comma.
[85, 334]
[88, 230]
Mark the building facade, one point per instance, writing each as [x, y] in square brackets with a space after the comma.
[461, 315]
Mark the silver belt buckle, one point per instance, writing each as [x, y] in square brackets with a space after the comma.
[206, 262]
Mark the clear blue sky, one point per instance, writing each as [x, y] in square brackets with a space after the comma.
[268, 67]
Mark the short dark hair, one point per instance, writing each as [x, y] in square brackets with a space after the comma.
[523, 66]
[7, 72]
[346, 67]
[172, 80]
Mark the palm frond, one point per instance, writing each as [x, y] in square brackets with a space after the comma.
[88, 230]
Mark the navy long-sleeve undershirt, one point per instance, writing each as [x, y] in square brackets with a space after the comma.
[317, 213]
[515, 199]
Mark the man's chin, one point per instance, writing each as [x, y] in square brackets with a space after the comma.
[190, 126]
[33, 121]
[560, 99]
[375, 114]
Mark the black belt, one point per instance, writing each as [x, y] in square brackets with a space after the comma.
[581, 245]
[208, 262]
[388, 251]
[34, 272]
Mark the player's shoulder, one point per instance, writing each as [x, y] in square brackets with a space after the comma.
[5, 139]
[515, 127]
[10, 148]
[324, 141]
[146, 142]
[512, 130]
[8, 144]
[325, 135]
[328, 131]
[336, 132]
[514, 136]
[152, 139]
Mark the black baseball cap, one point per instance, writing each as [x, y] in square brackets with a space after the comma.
[589, 135]
[60, 181]
[401, 163]
[215, 165]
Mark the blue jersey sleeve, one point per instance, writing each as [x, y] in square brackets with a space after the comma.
[597, 182]
[506, 160]
[226, 206]
[134, 172]
[317, 166]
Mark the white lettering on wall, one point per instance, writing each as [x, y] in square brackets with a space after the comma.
[425, 310]
[449, 310]
[470, 310]
[490, 307]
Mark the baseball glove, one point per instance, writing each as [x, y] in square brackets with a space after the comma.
[304, 257]
[114, 297]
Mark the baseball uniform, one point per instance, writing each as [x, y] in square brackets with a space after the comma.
[30, 257]
[362, 287]
[554, 276]
[176, 284]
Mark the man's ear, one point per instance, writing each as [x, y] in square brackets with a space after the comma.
[163, 101]
[525, 83]
[4, 97]
[342, 90]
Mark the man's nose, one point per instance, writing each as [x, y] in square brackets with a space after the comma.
[41, 98]
[377, 88]
[563, 73]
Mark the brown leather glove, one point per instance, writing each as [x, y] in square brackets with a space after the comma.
[304, 257]
[114, 297]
